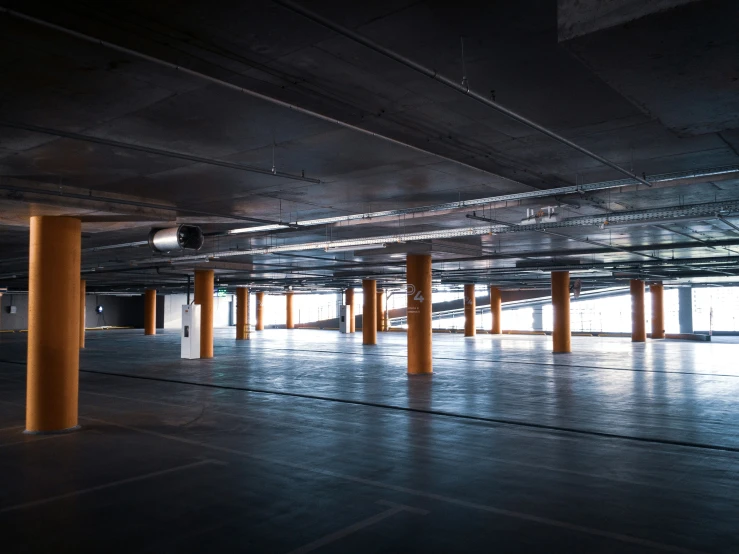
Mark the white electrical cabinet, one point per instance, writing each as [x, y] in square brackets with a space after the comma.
[344, 319]
[190, 332]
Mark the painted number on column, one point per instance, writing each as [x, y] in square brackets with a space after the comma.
[418, 296]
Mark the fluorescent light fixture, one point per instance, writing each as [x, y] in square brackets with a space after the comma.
[257, 229]
[354, 248]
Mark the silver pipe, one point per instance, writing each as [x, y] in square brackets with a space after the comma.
[729, 223]
[489, 200]
[238, 88]
[464, 89]
[708, 210]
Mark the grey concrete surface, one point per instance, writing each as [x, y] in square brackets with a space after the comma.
[301, 441]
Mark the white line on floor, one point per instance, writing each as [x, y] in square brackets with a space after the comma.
[296, 425]
[433, 496]
[35, 503]
[36, 438]
[346, 531]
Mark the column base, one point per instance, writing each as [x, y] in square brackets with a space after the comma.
[59, 432]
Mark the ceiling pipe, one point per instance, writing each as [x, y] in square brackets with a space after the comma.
[121, 201]
[649, 216]
[244, 90]
[461, 88]
[155, 151]
[729, 223]
[369, 217]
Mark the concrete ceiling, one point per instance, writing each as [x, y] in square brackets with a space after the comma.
[151, 143]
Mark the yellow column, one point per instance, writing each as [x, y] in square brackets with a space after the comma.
[83, 292]
[496, 310]
[204, 297]
[418, 314]
[260, 312]
[380, 311]
[350, 308]
[469, 310]
[289, 324]
[561, 341]
[658, 310]
[369, 312]
[52, 386]
[242, 313]
[638, 322]
[150, 312]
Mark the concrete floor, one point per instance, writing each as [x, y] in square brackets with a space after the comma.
[301, 440]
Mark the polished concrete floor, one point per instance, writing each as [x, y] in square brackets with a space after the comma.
[302, 441]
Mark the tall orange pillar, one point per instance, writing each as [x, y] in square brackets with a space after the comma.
[561, 341]
[350, 306]
[242, 313]
[418, 314]
[150, 312]
[380, 311]
[469, 310]
[204, 297]
[496, 310]
[52, 385]
[369, 312]
[289, 324]
[658, 310]
[638, 322]
[260, 312]
[83, 292]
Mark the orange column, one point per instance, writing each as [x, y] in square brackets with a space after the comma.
[242, 313]
[52, 386]
[469, 311]
[204, 297]
[150, 312]
[418, 271]
[369, 312]
[289, 324]
[380, 310]
[658, 310]
[83, 292]
[561, 303]
[260, 312]
[638, 322]
[496, 310]
[350, 306]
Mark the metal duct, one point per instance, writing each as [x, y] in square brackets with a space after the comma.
[182, 237]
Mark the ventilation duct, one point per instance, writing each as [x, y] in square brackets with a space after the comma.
[182, 237]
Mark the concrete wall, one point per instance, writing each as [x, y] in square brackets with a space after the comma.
[172, 310]
[118, 311]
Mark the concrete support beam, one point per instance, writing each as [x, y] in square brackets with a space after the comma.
[685, 309]
[260, 311]
[469, 311]
[289, 315]
[242, 313]
[380, 311]
[418, 271]
[638, 318]
[496, 310]
[656, 291]
[52, 386]
[150, 312]
[350, 309]
[561, 336]
[369, 312]
[204, 280]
